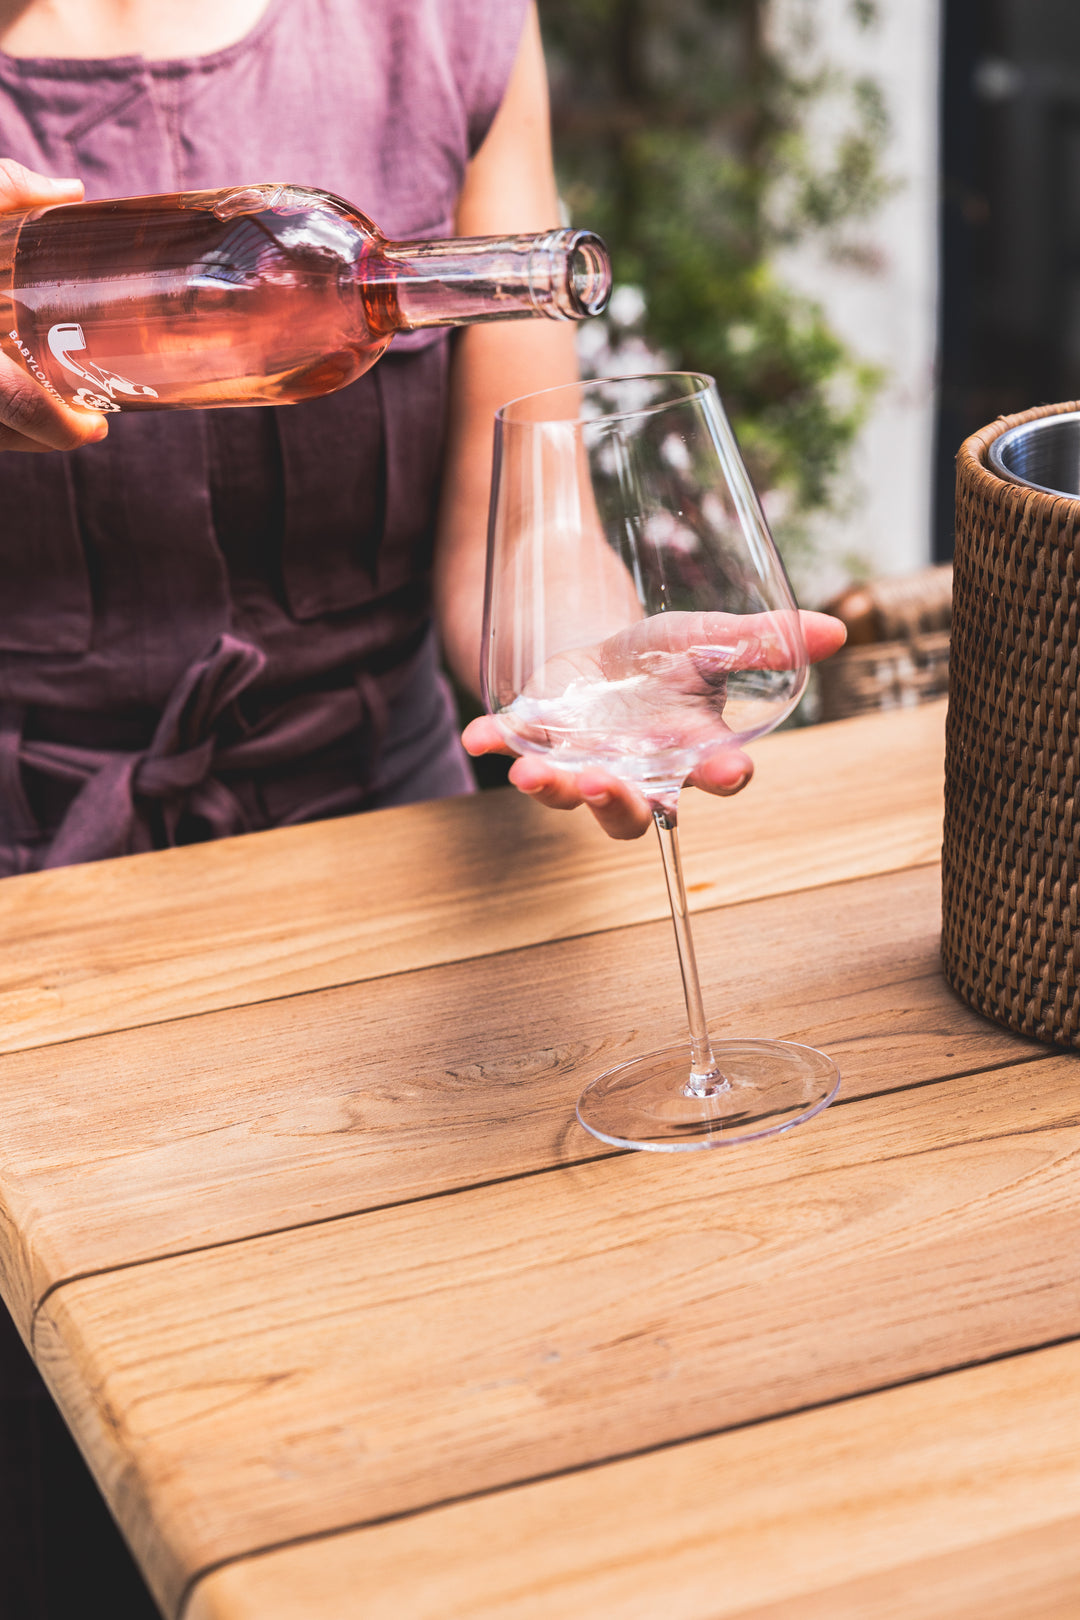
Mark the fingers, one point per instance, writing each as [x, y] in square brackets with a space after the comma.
[769, 640]
[823, 634]
[31, 419]
[723, 642]
[483, 736]
[623, 812]
[557, 789]
[10, 440]
[725, 773]
[620, 810]
[23, 188]
[763, 640]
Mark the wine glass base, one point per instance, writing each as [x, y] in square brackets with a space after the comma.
[767, 1087]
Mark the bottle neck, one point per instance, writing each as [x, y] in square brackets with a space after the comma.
[565, 275]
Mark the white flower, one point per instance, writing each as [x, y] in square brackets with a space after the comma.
[627, 306]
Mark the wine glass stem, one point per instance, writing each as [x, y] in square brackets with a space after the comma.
[705, 1078]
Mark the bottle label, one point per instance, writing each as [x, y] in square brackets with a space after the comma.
[32, 366]
[67, 339]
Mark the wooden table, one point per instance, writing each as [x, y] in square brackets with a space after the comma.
[350, 1317]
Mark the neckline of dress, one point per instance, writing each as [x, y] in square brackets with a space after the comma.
[90, 67]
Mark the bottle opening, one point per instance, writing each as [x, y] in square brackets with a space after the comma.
[589, 275]
[569, 275]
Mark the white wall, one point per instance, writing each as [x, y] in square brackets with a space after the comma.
[887, 315]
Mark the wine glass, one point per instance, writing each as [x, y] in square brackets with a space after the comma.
[638, 618]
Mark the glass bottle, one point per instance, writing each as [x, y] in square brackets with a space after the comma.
[259, 295]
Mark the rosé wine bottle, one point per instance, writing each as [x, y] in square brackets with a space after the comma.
[258, 295]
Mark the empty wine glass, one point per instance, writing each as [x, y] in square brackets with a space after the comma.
[638, 618]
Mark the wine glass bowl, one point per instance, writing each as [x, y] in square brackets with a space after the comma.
[610, 492]
[638, 619]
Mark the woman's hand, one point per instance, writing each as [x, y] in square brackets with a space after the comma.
[30, 417]
[621, 809]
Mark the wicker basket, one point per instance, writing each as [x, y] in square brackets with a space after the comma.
[1009, 864]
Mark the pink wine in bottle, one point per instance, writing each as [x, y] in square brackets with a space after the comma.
[262, 295]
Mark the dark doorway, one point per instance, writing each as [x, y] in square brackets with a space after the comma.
[1010, 306]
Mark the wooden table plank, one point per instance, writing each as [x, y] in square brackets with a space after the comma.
[953, 1499]
[277, 1388]
[165, 1139]
[154, 937]
[289, 1158]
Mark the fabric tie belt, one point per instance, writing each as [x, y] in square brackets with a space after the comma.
[130, 801]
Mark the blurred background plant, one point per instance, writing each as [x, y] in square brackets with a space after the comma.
[704, 153]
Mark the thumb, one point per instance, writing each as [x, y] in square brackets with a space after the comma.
[21, 187]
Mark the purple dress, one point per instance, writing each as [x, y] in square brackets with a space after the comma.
[218, 621]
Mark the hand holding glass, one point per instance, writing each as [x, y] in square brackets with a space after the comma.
[638, 618]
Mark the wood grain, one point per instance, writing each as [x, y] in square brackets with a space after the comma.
[955, 1499]
[277, 1388]
[290, 1171]
[148, 938]
[182, 1135]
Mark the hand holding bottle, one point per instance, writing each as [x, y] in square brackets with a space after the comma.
[31, 418]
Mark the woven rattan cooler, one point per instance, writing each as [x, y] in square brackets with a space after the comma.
[1009, 887]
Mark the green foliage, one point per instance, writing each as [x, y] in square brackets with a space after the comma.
[686, 141]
